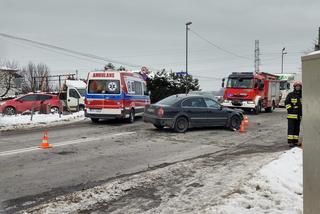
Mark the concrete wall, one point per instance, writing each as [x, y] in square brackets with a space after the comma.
[311, 132]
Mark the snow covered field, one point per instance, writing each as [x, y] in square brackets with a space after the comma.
[275, 188]
[38, 120]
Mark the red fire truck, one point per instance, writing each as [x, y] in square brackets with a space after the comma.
[252, 91]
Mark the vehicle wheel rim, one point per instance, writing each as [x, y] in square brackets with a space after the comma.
[55, 110]
[10, 111]
[181, 125]
[235, 122]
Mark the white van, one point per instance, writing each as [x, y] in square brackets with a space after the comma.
[73, 94]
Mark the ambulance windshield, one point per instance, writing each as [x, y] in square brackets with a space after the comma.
[104, 87]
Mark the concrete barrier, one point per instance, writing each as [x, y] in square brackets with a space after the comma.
[311, 130]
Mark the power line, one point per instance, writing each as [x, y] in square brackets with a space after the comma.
[70, 51]
[217, 46]
[54, 51]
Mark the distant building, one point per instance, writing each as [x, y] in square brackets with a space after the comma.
[10, 82]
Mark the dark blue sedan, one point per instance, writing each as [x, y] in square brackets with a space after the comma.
[182, 111]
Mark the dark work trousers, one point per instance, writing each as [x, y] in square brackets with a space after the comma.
[293, 131]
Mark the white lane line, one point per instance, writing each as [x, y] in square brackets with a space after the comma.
[29, 149]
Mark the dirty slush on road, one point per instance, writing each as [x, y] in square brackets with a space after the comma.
[182, 186]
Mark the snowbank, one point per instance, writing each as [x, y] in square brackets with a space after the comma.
[23, 121]
[276, 188]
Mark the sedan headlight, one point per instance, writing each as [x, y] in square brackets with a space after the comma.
[250, 102]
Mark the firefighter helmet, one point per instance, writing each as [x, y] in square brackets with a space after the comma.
[297, 83]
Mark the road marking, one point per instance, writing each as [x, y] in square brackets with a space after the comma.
[29, 149]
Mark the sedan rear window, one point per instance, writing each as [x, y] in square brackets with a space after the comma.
[169, 101]
[194, 103]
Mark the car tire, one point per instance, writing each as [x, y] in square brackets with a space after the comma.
[181, 125]
[235, 122]
[158, 126]
[81, 107]
[9, 111]
[131, 116]
[54, 109]
[270, 109]
[95, 120]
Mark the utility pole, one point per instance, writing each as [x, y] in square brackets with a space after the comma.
[77, 75]
[317, 46]
[256, 56]
[282, 53]
[187, 29]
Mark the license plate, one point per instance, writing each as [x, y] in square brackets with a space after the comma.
[150, 110]
[95, 110]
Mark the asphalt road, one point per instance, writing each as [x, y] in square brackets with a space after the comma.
[85, 154]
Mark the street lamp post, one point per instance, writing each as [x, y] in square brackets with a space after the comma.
[282, 53]
[187, 29]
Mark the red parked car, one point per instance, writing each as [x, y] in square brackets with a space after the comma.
[29, 101]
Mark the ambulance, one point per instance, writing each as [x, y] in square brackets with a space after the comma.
[115, 94]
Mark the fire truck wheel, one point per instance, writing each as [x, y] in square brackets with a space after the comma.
[258, 108]
[131, 116]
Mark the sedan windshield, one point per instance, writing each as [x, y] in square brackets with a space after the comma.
[240, 83]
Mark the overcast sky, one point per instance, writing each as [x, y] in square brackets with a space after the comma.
[152, 33]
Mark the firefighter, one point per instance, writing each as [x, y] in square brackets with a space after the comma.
[294, 107]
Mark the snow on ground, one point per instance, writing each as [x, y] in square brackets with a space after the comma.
[276, 188]
[38, 120]
[248, 183]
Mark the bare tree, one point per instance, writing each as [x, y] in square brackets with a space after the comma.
[36, 77]
[8, 72]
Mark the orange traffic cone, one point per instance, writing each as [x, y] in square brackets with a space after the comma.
[45, 144]
[242, 127]
[246, 121]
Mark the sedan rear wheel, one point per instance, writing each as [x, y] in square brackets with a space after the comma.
[9, 111]
[181, 125]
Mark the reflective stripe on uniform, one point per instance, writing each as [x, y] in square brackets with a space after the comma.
[296, 137]
[292, 116]
[295, 107]
[288, 106]
[294, 100]
[290, 137]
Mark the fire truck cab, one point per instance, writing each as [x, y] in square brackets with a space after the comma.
[252, 91]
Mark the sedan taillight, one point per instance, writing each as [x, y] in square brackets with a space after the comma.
[160, 112]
